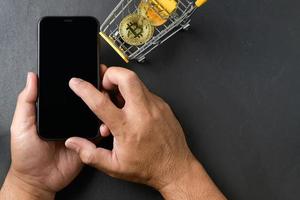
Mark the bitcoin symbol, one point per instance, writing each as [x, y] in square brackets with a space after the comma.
[135, 29]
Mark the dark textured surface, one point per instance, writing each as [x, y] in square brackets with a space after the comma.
[232, 80]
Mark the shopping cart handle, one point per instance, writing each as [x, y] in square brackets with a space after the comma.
[199, 3]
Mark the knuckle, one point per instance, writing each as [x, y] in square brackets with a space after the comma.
[85, 89]
[131, 76]
[99, 104]
[160, 106]
[160, 103]
[156, 116]
[87, 158]
[164, 106]
[109, 70]
[149, 118]
[21, 96]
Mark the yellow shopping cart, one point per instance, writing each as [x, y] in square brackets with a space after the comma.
[177, 20]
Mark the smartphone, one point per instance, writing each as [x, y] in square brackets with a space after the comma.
[67, 47]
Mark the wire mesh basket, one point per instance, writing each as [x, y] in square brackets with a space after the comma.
[178, 20]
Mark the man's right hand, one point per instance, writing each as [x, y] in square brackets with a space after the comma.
[149, 143]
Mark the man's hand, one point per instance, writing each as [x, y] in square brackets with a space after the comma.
[39, 169]
[149, 143]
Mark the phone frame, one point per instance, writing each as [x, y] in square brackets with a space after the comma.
[64, 18]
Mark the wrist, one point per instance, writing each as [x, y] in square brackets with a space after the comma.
[194, 183]
[15, 187]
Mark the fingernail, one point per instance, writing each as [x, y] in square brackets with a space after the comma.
[76, 80]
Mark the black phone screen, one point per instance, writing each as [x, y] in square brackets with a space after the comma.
[68, 47]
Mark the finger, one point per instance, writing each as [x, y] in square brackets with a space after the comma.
[25, 109]
[98, 102]
[91, 155]
[103, 69]
[104, 130]
[128, 83]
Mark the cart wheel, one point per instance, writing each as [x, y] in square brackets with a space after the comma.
[141, 60]
[186, 27]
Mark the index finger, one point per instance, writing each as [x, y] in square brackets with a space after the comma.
[98, 102]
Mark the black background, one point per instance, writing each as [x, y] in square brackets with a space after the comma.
[232, 80]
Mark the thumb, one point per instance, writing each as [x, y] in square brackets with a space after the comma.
[91, 155]
[25, 109]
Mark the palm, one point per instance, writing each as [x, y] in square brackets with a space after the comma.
[49, 163]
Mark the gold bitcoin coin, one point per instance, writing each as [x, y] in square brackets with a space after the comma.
[135, 29]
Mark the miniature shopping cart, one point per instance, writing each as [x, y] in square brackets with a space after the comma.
[178, 20]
